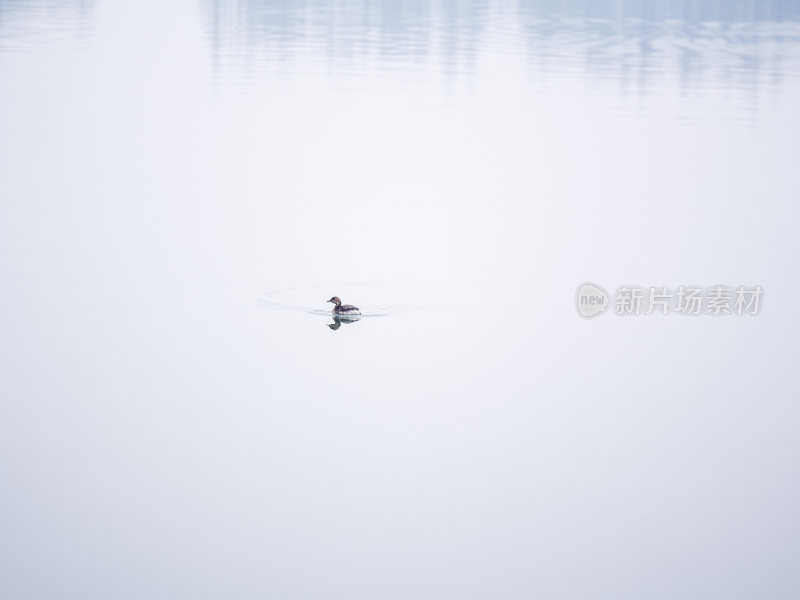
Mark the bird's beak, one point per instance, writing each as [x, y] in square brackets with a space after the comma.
[328, 300]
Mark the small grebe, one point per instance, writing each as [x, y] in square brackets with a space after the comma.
[343, 309]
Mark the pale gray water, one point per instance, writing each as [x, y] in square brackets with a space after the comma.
[184, 184]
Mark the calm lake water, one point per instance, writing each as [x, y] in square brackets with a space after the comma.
[183, 185]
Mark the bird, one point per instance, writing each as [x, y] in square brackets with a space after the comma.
[343, 310]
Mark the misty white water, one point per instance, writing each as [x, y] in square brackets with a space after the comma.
[183, 185]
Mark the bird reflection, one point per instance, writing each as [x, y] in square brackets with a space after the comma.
[338, 321]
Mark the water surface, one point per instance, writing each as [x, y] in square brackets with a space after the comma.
[183, 185]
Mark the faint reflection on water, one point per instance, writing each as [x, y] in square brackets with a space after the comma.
[635, 45]
[24, 22]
